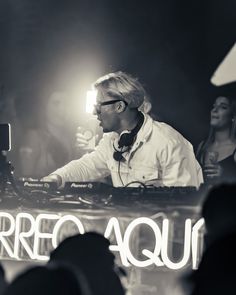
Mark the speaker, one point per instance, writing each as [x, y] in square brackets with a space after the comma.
[5, 137]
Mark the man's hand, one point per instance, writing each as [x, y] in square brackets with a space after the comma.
[53, 178]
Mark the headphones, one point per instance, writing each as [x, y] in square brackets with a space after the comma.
[126, 139]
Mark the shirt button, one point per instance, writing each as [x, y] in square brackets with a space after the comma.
[143, 177]
[130, 167]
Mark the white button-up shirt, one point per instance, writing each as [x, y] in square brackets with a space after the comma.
[160, 156]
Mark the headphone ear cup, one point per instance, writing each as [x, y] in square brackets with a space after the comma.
[117, 156]
[126, 138]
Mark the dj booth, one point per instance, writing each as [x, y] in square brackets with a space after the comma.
[152, 230]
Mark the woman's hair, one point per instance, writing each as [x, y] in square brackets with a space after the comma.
[211, 135]
[122, 86]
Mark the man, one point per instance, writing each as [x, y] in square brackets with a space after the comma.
[135, 149]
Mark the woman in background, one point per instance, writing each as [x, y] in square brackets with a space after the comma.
[217, 154]
[48, 145]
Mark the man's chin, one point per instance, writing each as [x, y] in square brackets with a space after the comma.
[105, 129]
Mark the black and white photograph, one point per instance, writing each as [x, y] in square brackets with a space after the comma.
[117, 147]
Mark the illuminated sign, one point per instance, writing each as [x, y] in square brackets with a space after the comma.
[26, 235]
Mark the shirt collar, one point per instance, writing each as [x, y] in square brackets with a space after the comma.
[144, 132]
[146, 129]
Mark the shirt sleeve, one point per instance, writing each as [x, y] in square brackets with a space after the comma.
[179, 165]
[90, 167]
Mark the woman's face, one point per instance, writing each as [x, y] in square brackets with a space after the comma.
[221, 114]
[57, 108]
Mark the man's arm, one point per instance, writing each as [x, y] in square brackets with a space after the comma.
[90, 167]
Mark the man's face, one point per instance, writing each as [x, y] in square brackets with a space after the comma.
[106, 114]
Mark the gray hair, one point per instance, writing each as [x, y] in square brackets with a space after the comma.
[122, 86]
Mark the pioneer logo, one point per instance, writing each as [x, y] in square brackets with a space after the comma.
[81, 185]
[30, 184]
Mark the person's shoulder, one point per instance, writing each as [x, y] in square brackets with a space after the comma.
[163, 127]
[167, 132]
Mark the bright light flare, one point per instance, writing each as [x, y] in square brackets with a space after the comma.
[90, 100]
[225, 72]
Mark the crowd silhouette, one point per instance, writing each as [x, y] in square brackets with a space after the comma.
[80, 265]
[216, 271]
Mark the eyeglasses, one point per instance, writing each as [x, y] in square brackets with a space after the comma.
[98, 106]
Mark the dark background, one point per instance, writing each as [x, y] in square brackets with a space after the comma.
[172, 46]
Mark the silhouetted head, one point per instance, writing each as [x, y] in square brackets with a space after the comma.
[216, 272]
[218, 211]
[90, 252]
[3, 282]
[48, 280]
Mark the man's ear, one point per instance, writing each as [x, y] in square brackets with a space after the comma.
[120, 107]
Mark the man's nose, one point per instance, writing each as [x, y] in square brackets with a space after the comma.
[95, 110]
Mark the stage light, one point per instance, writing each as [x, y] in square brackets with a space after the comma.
[225, 72]
[90, 100]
